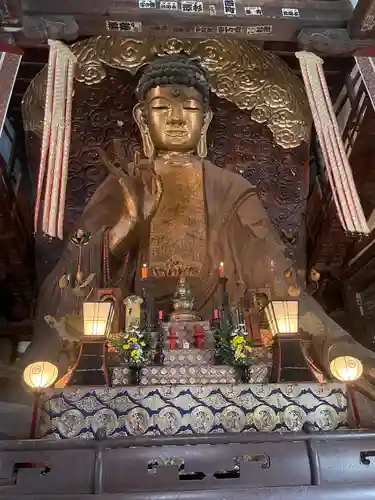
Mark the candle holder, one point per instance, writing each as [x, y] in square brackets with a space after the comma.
[241, 315]
[144, 318]
[215, 328]
[226, 315]
[159, 352]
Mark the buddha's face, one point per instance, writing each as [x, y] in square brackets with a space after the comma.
[175, 118]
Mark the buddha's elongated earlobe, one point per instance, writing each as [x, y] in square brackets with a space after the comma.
[202, 144]
[148, 145]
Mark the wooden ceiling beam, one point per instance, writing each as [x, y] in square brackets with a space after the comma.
[318, 25]
[273, 20]
[319, 12]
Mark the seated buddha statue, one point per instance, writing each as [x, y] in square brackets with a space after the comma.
[177, 213]
[173, 211]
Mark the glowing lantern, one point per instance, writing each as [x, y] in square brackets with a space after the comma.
[346, 368]
[282, 316]
[40, 375]
[97, 318]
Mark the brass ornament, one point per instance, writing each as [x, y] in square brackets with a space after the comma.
[75, 284]
[288, 273]
[183, 302]
[314, 275]
[80, 237]
[238, 71]
[294, 291]
[64, 281]
[260, 300]
[69, 327]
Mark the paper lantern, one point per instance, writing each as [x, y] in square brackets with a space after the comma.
[282, 316]
[97, 318]
[346, 368]
[40, 375]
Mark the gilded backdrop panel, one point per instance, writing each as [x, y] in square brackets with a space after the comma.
[103, 112]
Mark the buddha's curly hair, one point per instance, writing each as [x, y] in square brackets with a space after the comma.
[173, 70]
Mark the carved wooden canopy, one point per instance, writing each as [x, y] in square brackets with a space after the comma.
[238, 71]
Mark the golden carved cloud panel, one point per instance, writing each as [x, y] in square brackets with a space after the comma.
[238, 71]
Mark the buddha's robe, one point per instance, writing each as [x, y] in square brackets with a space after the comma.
[239, 234]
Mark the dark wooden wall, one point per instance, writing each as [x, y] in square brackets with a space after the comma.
[16, 250]
[332, 249]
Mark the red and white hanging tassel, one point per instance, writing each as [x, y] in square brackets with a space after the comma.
[339, 173]
[53, 169]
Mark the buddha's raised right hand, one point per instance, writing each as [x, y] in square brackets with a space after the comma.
[152, 191]
[142, 192]
[141, 195]
[129, 216]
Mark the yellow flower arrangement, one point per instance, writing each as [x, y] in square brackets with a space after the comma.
[135, 354]
[238, 340]
[240, 348]
[135, 345]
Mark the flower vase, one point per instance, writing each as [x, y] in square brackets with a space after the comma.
[243, 374]
[218, 360]
[159, 357]
[218, 356]
[134, 375]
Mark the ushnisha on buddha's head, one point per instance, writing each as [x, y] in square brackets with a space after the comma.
[173, 112]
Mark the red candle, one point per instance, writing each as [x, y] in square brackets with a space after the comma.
[172, 339]
[161, 315]
[199, 337]
[144, 272]
[216, 313]
[221, 270]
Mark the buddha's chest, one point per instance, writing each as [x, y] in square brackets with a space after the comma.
[178, 228]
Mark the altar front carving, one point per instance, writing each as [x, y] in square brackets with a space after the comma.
[177, 410]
